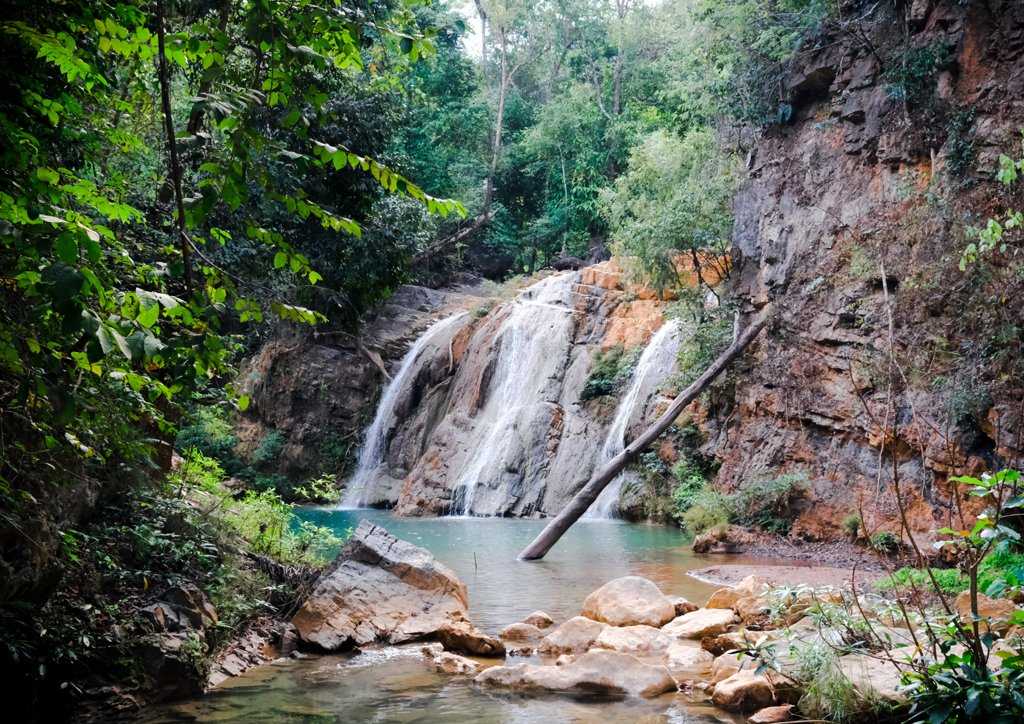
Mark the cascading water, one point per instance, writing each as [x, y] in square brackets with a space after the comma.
[654, 365]
[533, 342]
[371, 456]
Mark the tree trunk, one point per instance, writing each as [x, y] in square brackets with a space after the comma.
[503, 84]
[600, 479]
[172, 148]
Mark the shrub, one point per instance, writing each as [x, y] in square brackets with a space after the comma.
[768, 504]
[949, 580]
[268, 450]
[209, 431]
[852, 525]
[611, 368]
[708, 509]
[912, 77]
[886, 542]
[689, 483]
[323, 489]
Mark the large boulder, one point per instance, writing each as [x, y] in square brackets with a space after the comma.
[747, 691]
[572, 637]
[380, 588]
[873, 679]
[994, 613]
[607, 672]
[700, 623]
[629, 601]
[636, 640]
[688, 662]
[723, 598]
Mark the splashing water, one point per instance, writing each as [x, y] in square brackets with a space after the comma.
[653, 366]
[371, 456]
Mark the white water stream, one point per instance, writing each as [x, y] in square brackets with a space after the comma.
[533, 342]
[371, 456]
[652, 368]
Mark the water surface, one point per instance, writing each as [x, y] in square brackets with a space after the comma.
[394, 684]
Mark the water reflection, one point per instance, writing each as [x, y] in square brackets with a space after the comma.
[393, 684]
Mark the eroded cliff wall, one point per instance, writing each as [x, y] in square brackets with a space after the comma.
[889, 155]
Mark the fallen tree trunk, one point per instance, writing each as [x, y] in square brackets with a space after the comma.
[604, 475]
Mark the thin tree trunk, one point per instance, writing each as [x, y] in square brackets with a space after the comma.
[503, 83]
[483, 36]
[604, 475]
[172, 147]
[565, 200]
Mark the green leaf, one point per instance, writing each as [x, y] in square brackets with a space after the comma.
[243, 402]
[148, 314]
[280, 259]
[66, 248]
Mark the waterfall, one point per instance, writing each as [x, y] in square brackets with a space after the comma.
[653, 366]
[371, 456]
[533, 342]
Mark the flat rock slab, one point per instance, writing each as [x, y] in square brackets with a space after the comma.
[607, 672]
[700, 623]
[813, 576]
[380, 588]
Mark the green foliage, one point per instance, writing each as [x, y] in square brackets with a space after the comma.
[269, 449]
[827, 694]
[323, 489]
[962, 687]
[676, 198]
[960, 150]
[997, 235]
[707, 510]
[949, 580]
[711, 334]
[852, 524]
[210, 432]
[610, 370]
[911, 77]
[886, 542]
[690, 483]
[768, 504]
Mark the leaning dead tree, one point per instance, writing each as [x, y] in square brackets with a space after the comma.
[604, 475]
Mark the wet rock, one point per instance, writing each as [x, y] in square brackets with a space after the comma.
[574, 636]
[464, 637]
[725, 665]
[723, 598]
[747, 691]
[994, 613]
[682, 605]
[539, 619]
[754, 611]
[773, 715]
[520, 633]
[607, 672]
[449, 663]
[688, 662]
[381, 589]
[168, 663]
[636, 640]
[629, 601]
[721, 539]
[700, 623]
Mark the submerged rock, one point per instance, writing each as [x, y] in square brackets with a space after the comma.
[539, 619]
[465, 637]
[629, 601]
[773, 715]
[380, 589]
[607, 672]
[700, 623]
[572, 637]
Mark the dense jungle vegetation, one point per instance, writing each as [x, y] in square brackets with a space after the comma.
[179, 176]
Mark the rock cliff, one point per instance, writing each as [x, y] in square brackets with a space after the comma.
[888, 157]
